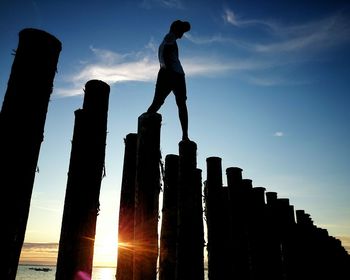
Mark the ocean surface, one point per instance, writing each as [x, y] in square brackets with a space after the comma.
[35, 272]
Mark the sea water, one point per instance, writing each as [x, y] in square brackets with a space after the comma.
[30, 272]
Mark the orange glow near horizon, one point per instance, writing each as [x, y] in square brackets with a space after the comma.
[105, 253]
[39, 253]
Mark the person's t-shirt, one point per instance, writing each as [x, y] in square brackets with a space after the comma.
[168, 54]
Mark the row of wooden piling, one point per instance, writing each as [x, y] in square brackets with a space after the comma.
[251, 234]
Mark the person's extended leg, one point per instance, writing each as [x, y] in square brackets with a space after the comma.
[181, 97]
[183, 116]
[155, 106]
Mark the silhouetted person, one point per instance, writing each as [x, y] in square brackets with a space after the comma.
[171, 76]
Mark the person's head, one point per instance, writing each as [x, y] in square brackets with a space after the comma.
[179, 27]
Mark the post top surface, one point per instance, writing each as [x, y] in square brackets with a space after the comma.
[188, 144]
[150, 116]
[40, 35]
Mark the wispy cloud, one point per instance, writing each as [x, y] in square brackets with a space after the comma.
[266, 81]
[170, 4]
[50, 209]
[229, 17]
[216, 38]
[143, 66]
[143, 69]
[39, 253]
[47, 247]
[269, 80]
[279, 43]
[213, 66]
[319, 34]
[112, 67]
[278, 134]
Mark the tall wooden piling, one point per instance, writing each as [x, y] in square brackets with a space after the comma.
[188, 227]
[198, 226]
[127, 211]
[219, 266]
[287, 233]
[258, 234]
[239, 191]
[273, 241]
[147, 190]
[76, 248]
[168, 238]
[22, 121]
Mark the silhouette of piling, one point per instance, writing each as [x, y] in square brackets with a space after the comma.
[189, 240]
[273, 241]
[147, 190]
[198, 226]
[258, 234]
[265, 241]
[86, 167]
[127, 211]
[239, 191]
[287, 235]
[219, 255]
[321, 256]
[22, 121]
[168, 238]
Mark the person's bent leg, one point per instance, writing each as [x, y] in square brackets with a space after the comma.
[155, 106]
[162, 90]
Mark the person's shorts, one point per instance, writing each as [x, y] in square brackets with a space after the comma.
[168, 81]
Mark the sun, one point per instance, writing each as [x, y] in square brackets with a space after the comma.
[105, 251]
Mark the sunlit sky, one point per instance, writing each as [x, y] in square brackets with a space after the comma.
[268, 91]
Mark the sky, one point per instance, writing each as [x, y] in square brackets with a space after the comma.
[267, 85]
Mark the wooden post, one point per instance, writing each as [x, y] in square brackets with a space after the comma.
[147, 190]
[168, 238]
[81, 206]
[239, 191]
[198, 227]
[127, 211]
[189, 232]
[22, 121]
[273, 240]
[218, 223]
[287, 233]
[257, 233]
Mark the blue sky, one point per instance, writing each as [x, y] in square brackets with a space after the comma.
[267, 89]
